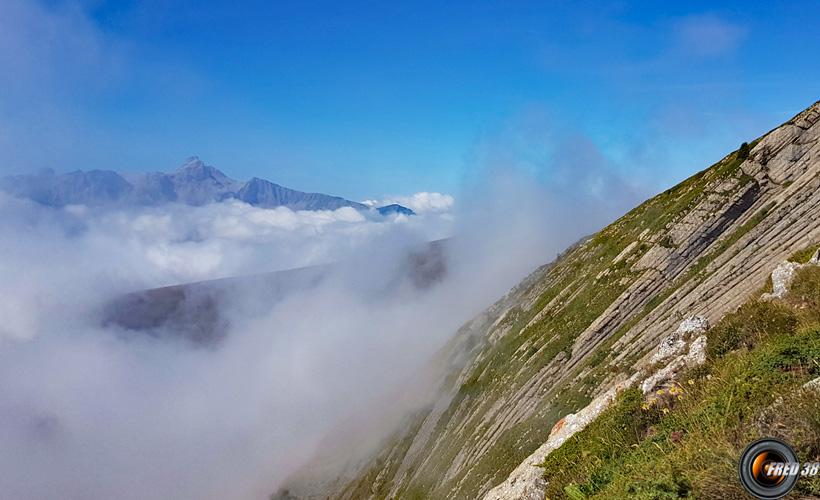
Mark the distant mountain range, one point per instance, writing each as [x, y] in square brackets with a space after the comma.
[193, 183]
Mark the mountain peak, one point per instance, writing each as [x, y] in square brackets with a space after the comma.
[395, 208]
[195, 170]
[191, 162]
[194, 164]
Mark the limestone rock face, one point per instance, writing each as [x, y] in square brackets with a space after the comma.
[527, 480]
[675, 343]
[600, 315]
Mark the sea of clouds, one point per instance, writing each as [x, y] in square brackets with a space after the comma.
[94, 414]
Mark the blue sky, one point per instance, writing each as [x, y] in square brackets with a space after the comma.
[364, 99]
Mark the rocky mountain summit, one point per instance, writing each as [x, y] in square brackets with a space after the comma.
[602, 317]
[193, 183]
[395, 208]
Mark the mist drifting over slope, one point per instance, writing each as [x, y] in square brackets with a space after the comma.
[94, 413]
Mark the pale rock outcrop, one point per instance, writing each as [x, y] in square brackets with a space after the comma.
[675, 343]
[783, 275]
[697, 352]
[693, 324]
[813, 384]
[694, 357]
[625, 252]
[671, 345]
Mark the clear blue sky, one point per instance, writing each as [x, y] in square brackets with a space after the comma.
[362, 99]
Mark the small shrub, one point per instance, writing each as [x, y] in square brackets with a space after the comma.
[798, 354]
[803, 256]
[744, 150]
[667, 242]
[753, 322]
[805, 287]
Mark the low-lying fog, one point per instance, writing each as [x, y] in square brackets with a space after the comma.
[88, 412]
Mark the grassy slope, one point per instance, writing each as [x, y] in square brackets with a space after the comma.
[523, 352]
[685, 441]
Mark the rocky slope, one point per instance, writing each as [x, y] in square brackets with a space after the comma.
[590, 322]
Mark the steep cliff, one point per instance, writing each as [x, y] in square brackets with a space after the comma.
[591, 321]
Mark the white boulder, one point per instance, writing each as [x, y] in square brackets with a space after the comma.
[674, 344]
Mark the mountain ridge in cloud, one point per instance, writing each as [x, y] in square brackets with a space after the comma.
[193, 183]
[422, 202]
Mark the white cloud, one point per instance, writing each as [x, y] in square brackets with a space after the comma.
[95, 413]
[420, 203]
[708, 35]
[180, 243]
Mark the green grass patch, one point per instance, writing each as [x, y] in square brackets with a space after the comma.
[803, 256]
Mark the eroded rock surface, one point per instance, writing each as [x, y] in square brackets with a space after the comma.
[696, 355]
[675, 343]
